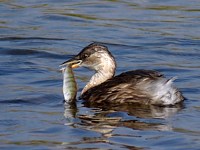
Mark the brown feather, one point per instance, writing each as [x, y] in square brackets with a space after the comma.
[122, 88]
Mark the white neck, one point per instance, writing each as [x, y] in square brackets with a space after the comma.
[97, 78]
[104, 71]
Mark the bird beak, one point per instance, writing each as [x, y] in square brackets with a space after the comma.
[74, 62]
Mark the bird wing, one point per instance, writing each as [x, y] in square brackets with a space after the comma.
[121, 88]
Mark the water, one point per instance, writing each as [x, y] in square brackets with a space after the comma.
[36, 36]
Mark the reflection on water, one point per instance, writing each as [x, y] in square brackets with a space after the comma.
[36, 36]
[105, 120]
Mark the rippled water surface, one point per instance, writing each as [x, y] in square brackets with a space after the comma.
[36, 36]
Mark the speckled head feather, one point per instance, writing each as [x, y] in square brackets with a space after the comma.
[96, 57]
[91, 49]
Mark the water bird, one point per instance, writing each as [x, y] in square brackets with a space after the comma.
[147, 87]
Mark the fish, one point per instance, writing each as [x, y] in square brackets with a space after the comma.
[69, 84]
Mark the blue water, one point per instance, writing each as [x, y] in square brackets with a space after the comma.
[36, 36]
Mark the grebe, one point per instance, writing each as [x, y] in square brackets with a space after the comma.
[138, 86]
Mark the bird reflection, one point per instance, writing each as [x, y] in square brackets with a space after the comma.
[104, 119]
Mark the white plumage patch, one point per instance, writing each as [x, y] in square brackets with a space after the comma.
[163, 92]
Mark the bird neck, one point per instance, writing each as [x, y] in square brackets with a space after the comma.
[98, 78]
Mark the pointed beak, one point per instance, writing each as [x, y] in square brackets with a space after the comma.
[73, 62]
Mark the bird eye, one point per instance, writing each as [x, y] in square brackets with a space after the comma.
[85, 55]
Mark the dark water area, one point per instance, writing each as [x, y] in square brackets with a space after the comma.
[37, 36]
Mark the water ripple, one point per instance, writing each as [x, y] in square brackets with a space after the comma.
[36, 37]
